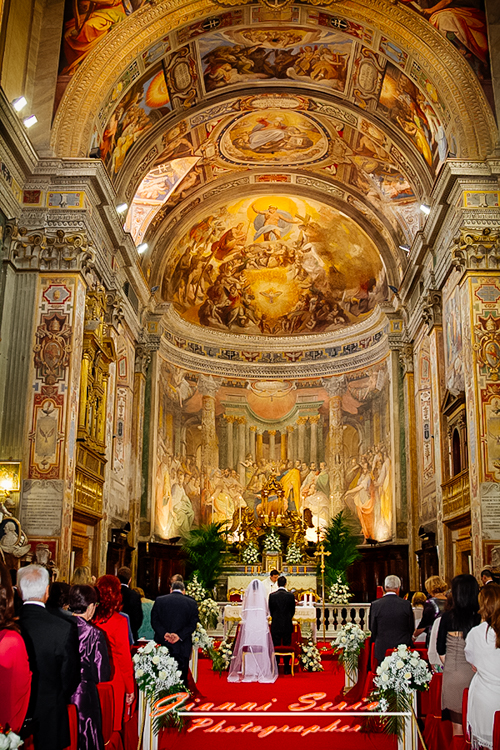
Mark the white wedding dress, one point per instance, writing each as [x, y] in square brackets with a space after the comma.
[253, 656]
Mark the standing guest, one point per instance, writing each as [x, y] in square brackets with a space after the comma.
[417, 604]
[57, 603]
[82, 576]
[271, 582]
[94, 667]
[487, 577]
[434, 606]
[131, 601]
[391, 619]
[52, 647]
[282, 610]
[15, 675]
[454, 627]
[145, 631]
[110, 621]
[174, 618]
[482, 651]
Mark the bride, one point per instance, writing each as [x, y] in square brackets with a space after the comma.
[253, 656]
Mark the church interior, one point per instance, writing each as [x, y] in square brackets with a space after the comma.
[250, 274]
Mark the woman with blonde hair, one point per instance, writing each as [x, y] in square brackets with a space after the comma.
[82, 576]
[434, 607]
[482, 651]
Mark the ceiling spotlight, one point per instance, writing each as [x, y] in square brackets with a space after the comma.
[425, 208]
[406, 248]
[121, 208]
[19, 103]
[142, 248]
[30, 121]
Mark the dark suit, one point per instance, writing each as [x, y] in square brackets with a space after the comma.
[391, 623]
[52, 646]
[132, 606]
[282, 610]
[176, 613]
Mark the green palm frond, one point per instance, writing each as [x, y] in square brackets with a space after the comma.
[204, 547]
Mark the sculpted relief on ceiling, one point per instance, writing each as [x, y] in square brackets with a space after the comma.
[274, 265]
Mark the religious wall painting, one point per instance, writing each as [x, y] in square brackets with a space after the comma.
[452, 315]
[319, 58]
[275, 265]
[274, 136]
[146, 102]
[490, 408]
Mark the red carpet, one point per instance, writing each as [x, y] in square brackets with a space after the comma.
[292, 731]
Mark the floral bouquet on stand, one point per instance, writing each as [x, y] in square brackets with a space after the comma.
[348, 642]
[208, 611]
[196, 590]
[339, 593]
[221, 657]
[272, 543]
[9, 740]
[310, 657]
[202, 640]
[251, 554]
[398, 677]
[157, 675]
[293, 554]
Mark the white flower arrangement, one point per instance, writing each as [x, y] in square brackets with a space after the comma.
[349, 642]
[397, 677]
[310, 657]
[221, 657]
[293, 554]
[156, 671]
[339, 593]
[272, 543]
[251, 554]
[196, 590]
[201, 639]
[208, 611]
[9, 740]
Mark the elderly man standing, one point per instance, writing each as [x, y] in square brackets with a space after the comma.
[52, 646]
[391, 619]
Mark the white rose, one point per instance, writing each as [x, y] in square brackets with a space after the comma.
[149, 647]
[399, 664]
[4, 742]
[407, 675]
[162, 675]
[155, 659]
[414, 661]
[385, 678]
[14, 740]
[138, 673]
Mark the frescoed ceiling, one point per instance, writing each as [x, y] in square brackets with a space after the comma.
[274, 162]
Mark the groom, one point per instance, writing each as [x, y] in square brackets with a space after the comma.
[282, 609]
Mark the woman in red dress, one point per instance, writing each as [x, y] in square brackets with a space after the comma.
[15, 675]
[115, 626]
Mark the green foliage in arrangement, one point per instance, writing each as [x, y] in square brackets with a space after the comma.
[204, 547]
[341, 543]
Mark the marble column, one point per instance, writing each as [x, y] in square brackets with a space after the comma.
[259, 447]
[314, 438]
[272, 443]
[406, 359]
[301, 421]
[289, 447]
[336, 387]
[141, 362]
[241, 448]
[208, 387]
[253, 431]
[283, 446]
[230, 441]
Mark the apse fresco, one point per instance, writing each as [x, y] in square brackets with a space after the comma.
[273, 428]
[316, 57]
[275, 265]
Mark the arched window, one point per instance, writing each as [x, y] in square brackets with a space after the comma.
[456, 453]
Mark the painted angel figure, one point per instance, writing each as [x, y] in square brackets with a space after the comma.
[272, 224]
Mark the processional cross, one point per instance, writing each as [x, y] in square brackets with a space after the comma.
[322, 554]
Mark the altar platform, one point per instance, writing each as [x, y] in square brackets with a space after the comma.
[301, 579]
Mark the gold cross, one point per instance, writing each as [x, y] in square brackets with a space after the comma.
[322, 554]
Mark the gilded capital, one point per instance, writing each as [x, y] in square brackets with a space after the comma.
[475, 251]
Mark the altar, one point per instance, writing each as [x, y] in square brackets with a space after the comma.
[296, 582]
[303, 615]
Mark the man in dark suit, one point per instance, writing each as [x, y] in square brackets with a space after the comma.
[52, 646]
[282, 610]
[391, 619]
[174, 618]
[132, 605]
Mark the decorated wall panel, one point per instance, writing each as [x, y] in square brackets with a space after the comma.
[265, 428]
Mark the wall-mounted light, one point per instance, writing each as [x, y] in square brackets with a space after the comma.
[30, 121]
[19, 103]
[121, 208]
[142, 248]
[425, 208]
[406, 248]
